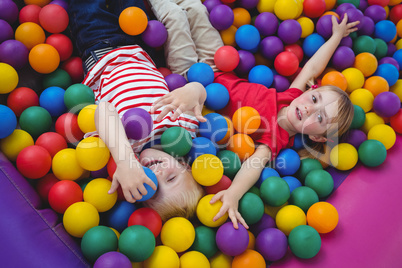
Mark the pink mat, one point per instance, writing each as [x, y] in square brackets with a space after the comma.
[369, 233]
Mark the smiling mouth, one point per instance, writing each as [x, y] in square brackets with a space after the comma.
[152, 163]
[298, 114]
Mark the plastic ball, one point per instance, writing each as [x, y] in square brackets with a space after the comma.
[133, 20]
[40, 3]
[303, 197]
[77, 96]
[307, 26]
[398, 56]
[30, 34]
[53, 142]
[65, 165]
[246, 120]
[63, 194]
[251, 208]
[375, 12]
[200, 72]
[207, 211]
[324, 26]
[73, 66]
[34, 162]
[304, 242]
[138, 123]
[14, 53]
[14, 143]
[205, 241]
[344, 156]
[58, 78]
[118, 216]
[366, 63]
[7, 31]
[372, 153]
[137, 243]
[207, 169]
[86, 118]
[246, 62]
[8, 11]
[44, 185]
[389, 72]
[228, 36]
[287, 162]
[241, 17]
[271, 46]
[354, 77]
[155, 35]
[176, 141]
[321, 182]
[286, 63]
[292, 182]
[96, 193]
[231, 162]
[314, 8]
[221, 260]
[35, 120]
[79, 218]
[223, 184]
[343, 58]
[217, 96]
[199, 147]
[266, 23]
[367, 27]
[148, 218]
[265, 222]
[247, 37]
[249, 257]
[29, 13]
[396, 121]
[280, 83]
[376, 85]
[381, 49]
[385, 29]
[52, 99]
[289, 217]
[289, 31]
[306, 166]
[67, 126]
[323, 217]
[221, 17]
[312, 43]
[232, 241]
[53, 18]
[92, 153]
[355, 137]
[389, 60]
[175, 81]
[272, 243]
[192, 259]
[178, 233]
[215, 128]
[335, 78]
[386, 104]
[9, 78]
[372, 119]
[112, 259]
[62, 44]
[8, 121]
[150, 192]
[44, 58]
[274, 191]
[226, 58]
[162, 256]
[241, 144]
[261, 74]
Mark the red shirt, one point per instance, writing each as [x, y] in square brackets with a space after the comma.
[266, 101]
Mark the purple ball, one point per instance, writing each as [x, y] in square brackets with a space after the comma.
[264, 223]
[324, 26]
[8, 11]
[221, 17]
[289, 31]
[347, 42]
[354, 15]
[175, 81]
[386, 104]
[112, 259]
[232, 241]
[363, 4]
[340, 10]
[367, 26]
[343, 58]
[266, 23]
[155, 34]
[138, 123]
[272, 243]
[376, 13]
[280, 83]
[101, 173]
[210, 4]
[247, 4]
[391, 49]
[61, 3]
[6, 31]
[271, 46]
[389, 60]
[246, 62]
[14, 52]
[356, 137]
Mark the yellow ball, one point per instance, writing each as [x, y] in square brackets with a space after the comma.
[207, 169]
[354, 77]
[289, 217]
[133, 20]
[272, 211]
[372, 119]
[65, 165]
[399, 44]
[207, 211]
[266, 6]
[362, 97]
[220, 260]
[178, 233]
[8, 78]
[116, 232]
[286, 9]
[79, 218]
[86, 118]
[397, 88]
[13, 144]
[163, 256]
[30, 34]
[92, 153]
[228, 37]
[96, 193]
[251, 240]
[307, 26]
[344, 156]
[194, 259]
[384, 134]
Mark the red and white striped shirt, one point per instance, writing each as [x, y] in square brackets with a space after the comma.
[127, 77]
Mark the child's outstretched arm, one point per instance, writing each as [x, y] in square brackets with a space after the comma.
[129, 172]
[246, 177]
[318, 62]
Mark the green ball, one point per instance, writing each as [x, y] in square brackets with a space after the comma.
[381, 48]
[255, 190]
[251, 208]
[353, 35]
[303, 197]
[359, 117]
[77, 96]
[176, 141]
[307, 165]
[304, 241]
[205, 241]
[274, 191]
[97, 241]
[372, 153]
[356, 3]
[84, 182]
[364, 43]
[58, 78]
[137, 242]
[35, 120]
[321, 182]
[231, 163]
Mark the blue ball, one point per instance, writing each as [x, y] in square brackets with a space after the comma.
[215, 128]
[118, 216]
[385, 30]
[389, 72]
[312, 43]
[247, 37]
[217, 96]
[261, 74]
[265, 174]
[398, 56]
[299, 141]
[202, 73]
[201, 145]
[292, 182]
[150, 191]
[287, 162]
[8, 121]
[52, 99]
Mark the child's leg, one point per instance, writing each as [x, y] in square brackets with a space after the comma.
[206, 38]
[180, 51]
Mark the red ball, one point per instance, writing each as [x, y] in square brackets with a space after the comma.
[286, 63]
[63, 194]
[53, 18]
[53, 142]
[62, 44]
[21, 98]
[295, 48]
[382, 3]
[111, 167]
[67, 126]
[314, 8]
[45, 184]
[395, 14]
[34, 162]
[226, 58]
[396, 122]
[73, 66]
[164, 71]
[146, 217]
[223, 184]
[29, 13]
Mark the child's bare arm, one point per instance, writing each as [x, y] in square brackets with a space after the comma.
[129, 172]
[319, 61]
[246, 177]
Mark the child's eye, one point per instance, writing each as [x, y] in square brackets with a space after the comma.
[319, 118]
[314, 99]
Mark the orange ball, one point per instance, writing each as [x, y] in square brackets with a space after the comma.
[229, 133]
[323, 217]
[30, 34]
[330, 4]
[366, 62]
[246, 120]
[241, 17]
[133, 20]
[44, 58]
[228, 36]
[249, 258]
[40, 3]
[251, 240]
[376, 85]
[242, 145]
[335, 78]
[399, 28]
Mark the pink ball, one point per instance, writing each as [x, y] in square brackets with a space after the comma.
[226, 58]
[62, 44]
[286, 63]
[53, 18]
[34, 162]
[29, 13]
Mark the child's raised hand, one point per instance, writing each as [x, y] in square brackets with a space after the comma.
[190, 97]
[343, 28]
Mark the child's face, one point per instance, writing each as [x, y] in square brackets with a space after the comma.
[312, 112]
